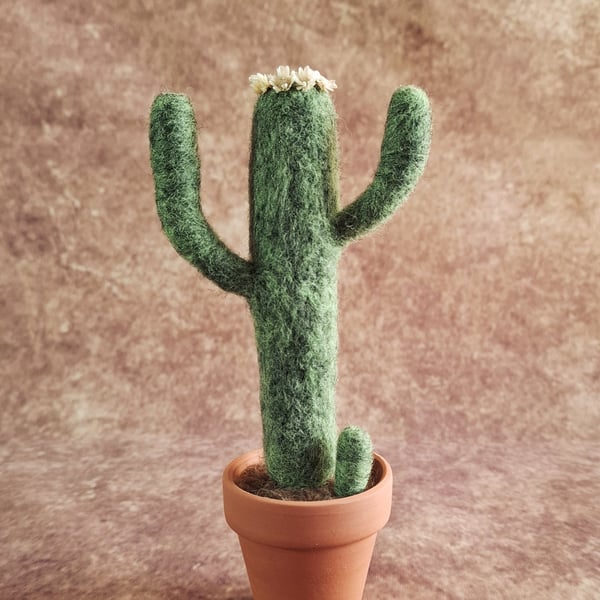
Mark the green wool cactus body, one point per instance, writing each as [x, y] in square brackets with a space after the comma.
[297, 233]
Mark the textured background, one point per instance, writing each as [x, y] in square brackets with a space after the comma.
[469, 324]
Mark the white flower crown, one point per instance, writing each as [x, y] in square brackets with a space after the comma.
[285, 79]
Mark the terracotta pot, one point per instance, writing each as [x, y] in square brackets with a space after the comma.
[318, 550]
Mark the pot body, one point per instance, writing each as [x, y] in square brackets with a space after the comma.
[317, 550]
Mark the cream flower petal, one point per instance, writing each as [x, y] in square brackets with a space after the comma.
[284, 79]
[260, 82]
[326, 84]
[306, 78]
[284, 72]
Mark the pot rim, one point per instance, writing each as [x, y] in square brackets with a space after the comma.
[241, 462]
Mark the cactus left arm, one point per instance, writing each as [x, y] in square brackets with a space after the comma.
[404, 152]
[176, 168]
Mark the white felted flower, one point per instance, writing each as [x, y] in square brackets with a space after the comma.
[306, 78]
[325, 84]
[260, 82]
[284, 79]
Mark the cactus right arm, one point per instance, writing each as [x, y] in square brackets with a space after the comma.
[176, 168]
[404, 152]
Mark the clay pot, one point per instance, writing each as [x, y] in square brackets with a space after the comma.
[317, 550]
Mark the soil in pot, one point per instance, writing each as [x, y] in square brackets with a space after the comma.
[256, 480]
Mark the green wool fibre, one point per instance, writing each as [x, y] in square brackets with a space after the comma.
[353, 461]
[296, 236]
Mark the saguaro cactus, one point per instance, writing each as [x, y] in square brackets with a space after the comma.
[297, 232]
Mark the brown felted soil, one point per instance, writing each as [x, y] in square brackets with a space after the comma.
[257, 481]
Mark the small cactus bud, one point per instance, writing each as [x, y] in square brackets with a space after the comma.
[354, 462]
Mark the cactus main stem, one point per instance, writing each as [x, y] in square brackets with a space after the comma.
[293, 185]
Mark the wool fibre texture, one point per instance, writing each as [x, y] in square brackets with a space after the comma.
[176, 168]
[404, 153]
[354, 461]
[293, 188]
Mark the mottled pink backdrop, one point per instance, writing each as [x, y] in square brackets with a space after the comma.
[469, 324]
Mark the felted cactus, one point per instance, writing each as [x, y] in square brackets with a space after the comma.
[297, 232]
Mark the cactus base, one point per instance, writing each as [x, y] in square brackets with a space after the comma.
[256, 480]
